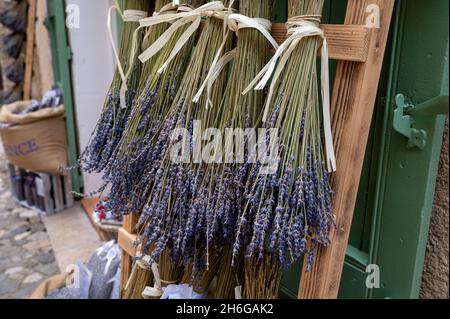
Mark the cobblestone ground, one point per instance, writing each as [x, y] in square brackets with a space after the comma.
[26, 256]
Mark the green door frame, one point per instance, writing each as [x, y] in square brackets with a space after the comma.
[406, 176]
[61, 57]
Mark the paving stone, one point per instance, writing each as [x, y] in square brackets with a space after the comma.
[29, 215]
[22, 236]
[12, 271]
[19, 229]
[45, 258]
[31, 263]
[26, 255]
[48, 249]
[6, 263]
[48, 270]
[16, 259]
[10, 205]
[33, 278]
[10, 250]
[9, 286]
[18, 276]
[25, 292]
[40, 235]
[35, 245]
[17, 210]
[5, 242]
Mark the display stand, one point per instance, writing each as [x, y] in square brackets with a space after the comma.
[359, 44]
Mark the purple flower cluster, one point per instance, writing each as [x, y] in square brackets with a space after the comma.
[286, 210]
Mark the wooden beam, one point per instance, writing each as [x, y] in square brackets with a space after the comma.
[29, 53]
[353, 102]
[43, 48]
[127, 241]
[126, 234]
[345, 42]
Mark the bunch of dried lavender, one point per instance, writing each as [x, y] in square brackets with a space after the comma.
[113, 119]
[174, 216]
[239, 111]
[141, 276]
[286, 210]
[137, 150]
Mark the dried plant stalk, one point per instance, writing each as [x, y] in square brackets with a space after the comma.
[141, 277]
[202, 282]
[262, 278]
[108, 131]
[169, 195]
[239, 111]
[290, 209]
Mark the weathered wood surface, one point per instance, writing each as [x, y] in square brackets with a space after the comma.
[353, 102]
[345, 42]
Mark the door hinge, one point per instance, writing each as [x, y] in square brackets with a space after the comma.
[405, 114]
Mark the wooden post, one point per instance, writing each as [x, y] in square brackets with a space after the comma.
[29, 55]
[353, 103]
[126, 242]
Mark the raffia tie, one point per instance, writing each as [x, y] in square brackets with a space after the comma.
[139, 263]
[156, 291]
[235, 22]
[127, 16]
[167, 9]
[191, 17]
[300, 27]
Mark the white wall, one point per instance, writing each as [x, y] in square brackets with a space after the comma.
[92, 71]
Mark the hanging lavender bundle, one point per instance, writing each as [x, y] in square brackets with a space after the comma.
[136, 151]
[171, 218]
[241, 112]
[289, 209]
[114, 117]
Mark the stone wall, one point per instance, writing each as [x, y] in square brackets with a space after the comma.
[436, 267]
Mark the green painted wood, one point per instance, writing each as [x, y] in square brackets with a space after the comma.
[61, 55]
[351, 287]
[407, 184]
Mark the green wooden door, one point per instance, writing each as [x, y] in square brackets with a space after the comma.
[390, 226]
[61, 57]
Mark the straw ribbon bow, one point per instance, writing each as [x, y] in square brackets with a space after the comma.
[127, 16]
[235, 23]
[155, 291]
[299, 28]
[187, 16]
